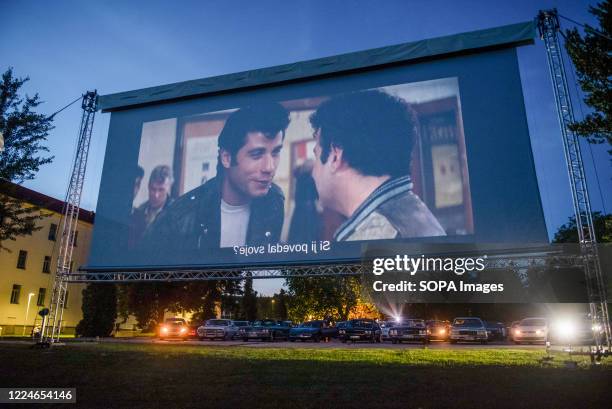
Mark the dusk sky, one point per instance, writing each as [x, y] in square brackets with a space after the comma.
[68, 47]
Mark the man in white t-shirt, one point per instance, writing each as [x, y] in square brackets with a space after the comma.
[241, 205]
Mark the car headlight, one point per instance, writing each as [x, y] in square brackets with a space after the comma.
[517, 331]
[368, 332]
[341, 331]
[422, 332]
[392, 332]
[596, 328]
[482, 332]
[566, 329]
[183, 330]
[164, 330]
[442, 331]
[538, 332]
[265, 331]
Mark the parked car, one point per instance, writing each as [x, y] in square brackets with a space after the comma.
[265, 330]
[512, 328]
[409, 330]
[239, 325]
[173, 328]
[217, 329]
[470, 329]
[437, 330]
[575, 329]
[312, 330]
[339, 325]
[496, 331]
[360, 330]
[531, 330]
[385, 326]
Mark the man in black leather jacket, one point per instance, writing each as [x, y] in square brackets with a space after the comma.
[241, 205]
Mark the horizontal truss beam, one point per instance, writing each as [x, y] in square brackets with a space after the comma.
[519, 263]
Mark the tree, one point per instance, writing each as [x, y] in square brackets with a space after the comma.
[99, 310]
[249, 301]
[24, 132]
[280, 305]
[322, 297]
[568, 233]
[592, 57]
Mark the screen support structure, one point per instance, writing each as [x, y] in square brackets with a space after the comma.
[52, 326]
[548, 25]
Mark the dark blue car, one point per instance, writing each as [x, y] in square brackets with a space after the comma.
[312, 330]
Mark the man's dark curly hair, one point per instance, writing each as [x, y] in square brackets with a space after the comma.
[375, 131]
[269, 118]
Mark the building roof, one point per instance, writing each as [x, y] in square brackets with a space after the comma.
[512, 35]
[41, 200]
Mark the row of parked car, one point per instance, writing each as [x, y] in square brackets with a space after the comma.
[462, 329]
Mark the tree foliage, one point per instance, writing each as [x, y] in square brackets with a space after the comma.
[568, 233]
[148, 302]
[280, 305]
[322, 297]
[249, 301]
[592, 57]
[99, 310]
[24, 133]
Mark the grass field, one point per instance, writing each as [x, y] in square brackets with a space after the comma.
[181, 376]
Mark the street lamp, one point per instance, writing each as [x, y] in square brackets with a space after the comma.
[27, 312]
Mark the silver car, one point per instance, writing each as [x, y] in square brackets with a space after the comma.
[217, 329]
[469, 329]
[531, 330]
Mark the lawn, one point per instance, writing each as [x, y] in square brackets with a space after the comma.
[180, 376]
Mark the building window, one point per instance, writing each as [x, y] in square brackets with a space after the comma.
[42, 292]
[75, 236]
[15, 294]
[47, 265]
[66, 299]
[21, 260]
[53, 232]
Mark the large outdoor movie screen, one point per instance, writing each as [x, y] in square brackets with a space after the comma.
[309, 172]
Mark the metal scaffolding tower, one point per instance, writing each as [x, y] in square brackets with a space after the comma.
[548, 25]
[53, 324]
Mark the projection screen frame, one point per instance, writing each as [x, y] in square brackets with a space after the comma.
[506, 37]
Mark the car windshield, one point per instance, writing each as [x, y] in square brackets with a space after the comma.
[533, 322]
[175, 322]
[360, 323]
[265, 323]
[467, 322]
[217, 322]
[241, 323]
[415, 323]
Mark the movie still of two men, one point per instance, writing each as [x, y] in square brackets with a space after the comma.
[376, 164]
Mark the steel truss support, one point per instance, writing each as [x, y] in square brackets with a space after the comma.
[519, 263]
[70, 217]
[548, 25]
